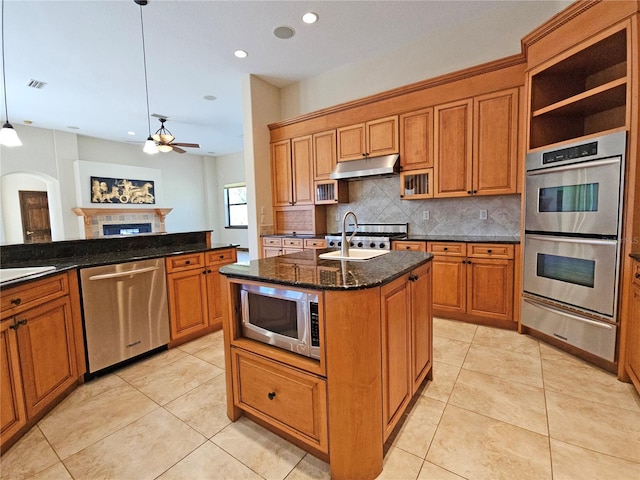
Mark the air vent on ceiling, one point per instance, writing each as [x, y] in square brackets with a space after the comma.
[36, 84]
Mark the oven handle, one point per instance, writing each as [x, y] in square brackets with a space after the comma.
[575, 166]
[588, 241]
[566, 314]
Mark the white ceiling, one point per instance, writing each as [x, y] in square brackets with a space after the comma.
[89, 52]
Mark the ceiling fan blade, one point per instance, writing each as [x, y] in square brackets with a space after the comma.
[192, 145]
[178, 149]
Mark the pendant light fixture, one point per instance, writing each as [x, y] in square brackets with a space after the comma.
[150, 146]
[8, 136]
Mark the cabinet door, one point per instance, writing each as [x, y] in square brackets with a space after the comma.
[271, 252]
[495, 143]
[453, 137]
[324, 154]
[382, 136]
[396, 352]
[215, 292]
[187, 302]
[47, 353]
[351, 142]
[449, 284]
[416, 139]
[421, 325]
[633, 335]
[12, 409]
[281, 173]
[490, 284]
[302, 170]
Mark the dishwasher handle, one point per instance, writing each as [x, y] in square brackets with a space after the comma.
[105, 276]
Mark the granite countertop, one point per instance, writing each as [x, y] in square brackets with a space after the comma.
[307, 270]
[463, 238]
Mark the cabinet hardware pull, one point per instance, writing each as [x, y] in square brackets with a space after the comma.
[413, 278]
[271, 395]
[16, 301]
[17, 324]
[445, 248]
[209, 271]
[489, 251]
[188, 262]
[204, 272]
[468, 192]
[637, 276]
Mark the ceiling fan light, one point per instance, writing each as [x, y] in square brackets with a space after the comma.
[166, 138]
[9, 137]
[150, 147]
[165, 148]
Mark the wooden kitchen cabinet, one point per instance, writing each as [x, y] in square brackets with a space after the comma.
[324, 154]
[42, 353]
[275, 246]
[416, 139]
[409, 245]
[292, 172]
[416, 184]
[473, 282]
[216, 301]
[632, 364]
[368, 139]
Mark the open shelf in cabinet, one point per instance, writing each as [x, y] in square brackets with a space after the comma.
[416, 184]
[582, 94]
[331, 191]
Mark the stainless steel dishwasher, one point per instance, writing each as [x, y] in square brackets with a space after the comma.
[125, 311]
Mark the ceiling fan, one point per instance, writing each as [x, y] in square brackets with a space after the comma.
[165, 141]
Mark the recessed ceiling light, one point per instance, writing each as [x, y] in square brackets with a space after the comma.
[131, 132]
[284, 32]
[211, 98]
[240, 54]
[310, 17]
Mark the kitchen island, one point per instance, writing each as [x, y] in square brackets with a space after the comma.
[375, 330]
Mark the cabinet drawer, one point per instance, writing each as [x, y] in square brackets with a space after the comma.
[489, 250]
[457, 249]
[184, 262]
[221, 256]
[292, 242]
[272, 241]
[413, 246]
[315, 243]
[20, 298]
[292, 400]
[635, 273]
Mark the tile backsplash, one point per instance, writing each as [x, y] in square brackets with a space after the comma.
[377, 200]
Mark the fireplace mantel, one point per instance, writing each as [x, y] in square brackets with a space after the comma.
[91, 214]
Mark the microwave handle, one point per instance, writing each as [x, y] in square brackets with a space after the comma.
[575, 166]
[587, 241]
[566, 314]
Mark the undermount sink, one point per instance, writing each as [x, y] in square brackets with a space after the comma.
[355, 254]
[7, 274]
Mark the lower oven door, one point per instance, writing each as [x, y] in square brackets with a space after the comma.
[580, 272]
[598, 338]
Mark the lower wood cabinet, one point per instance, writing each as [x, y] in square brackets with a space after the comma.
[41, 350]
[633, 335]
[409, 245]
[473, 282]
[196, 293]
[275, 246]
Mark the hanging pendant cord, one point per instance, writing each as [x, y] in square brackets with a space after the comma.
[4, 77]
[144, 60]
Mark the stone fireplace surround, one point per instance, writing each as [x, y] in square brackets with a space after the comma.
[95, 218]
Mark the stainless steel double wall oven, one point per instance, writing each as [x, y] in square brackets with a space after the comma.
[573, 221]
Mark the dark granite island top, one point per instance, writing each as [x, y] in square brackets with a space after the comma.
[307, 270]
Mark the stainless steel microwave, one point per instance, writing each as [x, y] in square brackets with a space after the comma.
[284, 318]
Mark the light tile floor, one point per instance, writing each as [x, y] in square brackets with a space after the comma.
[501, 406]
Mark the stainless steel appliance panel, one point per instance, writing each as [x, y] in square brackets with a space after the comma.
[580, 272]
[598, 338]
[581, 198]
[125, 311]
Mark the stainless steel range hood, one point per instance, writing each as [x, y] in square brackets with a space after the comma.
[367, 167]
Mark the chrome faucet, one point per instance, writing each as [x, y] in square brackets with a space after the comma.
[344, 248]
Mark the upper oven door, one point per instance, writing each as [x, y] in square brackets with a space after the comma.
[580, 272]
[579, 198]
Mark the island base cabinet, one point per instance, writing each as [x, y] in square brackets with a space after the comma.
[14, 415]
[292, 400]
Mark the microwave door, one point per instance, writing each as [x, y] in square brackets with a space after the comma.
[582, 198]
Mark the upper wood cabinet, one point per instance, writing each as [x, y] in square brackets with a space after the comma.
[369, 139]
[324, 154]
[416, 139]
[292, 171]
[453, 137]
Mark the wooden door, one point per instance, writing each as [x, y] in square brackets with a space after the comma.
[281, 175]
[47, 352]
[34, 210]
[396, 348]
[421, 325]
[13, 414]
[324, 154]
[453, 136]
[633, 335]
[382, 136]
[449, 284]
[416, 139]
[490, 288]
[351, 142]
[495, 143]
[302, 170]
[188, 311]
